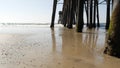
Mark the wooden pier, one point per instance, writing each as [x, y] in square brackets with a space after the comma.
[73, 13]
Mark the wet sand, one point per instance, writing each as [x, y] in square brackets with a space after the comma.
[41, 47]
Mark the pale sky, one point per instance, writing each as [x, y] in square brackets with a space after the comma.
[25, 11]
[31, 11]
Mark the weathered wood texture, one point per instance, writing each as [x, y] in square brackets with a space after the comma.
[113, 47]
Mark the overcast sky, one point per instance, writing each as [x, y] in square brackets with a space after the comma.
[31, 11]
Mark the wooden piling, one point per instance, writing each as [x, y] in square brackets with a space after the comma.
[108, 14]
[72, 10]
[91, 13]
[113, 47]
[98, 22]
[94, 15]
[80, 22]
[53, 13]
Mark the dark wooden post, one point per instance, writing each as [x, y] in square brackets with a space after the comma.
[98, 22]
[53, 13]
[70, 19]
[80, 22]
[108, 14]
[68, 12]
[86, 8]
[70, 25]
[74, 11]
[113, 47]
[94, 15]
[64, 13]
[91, 13]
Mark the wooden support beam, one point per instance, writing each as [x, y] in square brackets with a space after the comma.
[69, 14]
[98, 22]
[53, 13]
[64, 16]
[80, 22]
[108, 14]
[113, 47]
[94, 14]
[70, 22]
[86, 8]
[91, 14]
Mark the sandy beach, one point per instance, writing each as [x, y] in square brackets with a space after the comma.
[37, 46]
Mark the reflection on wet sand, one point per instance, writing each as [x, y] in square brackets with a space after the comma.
[85, 49]
[42, 47]
[53, 40]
